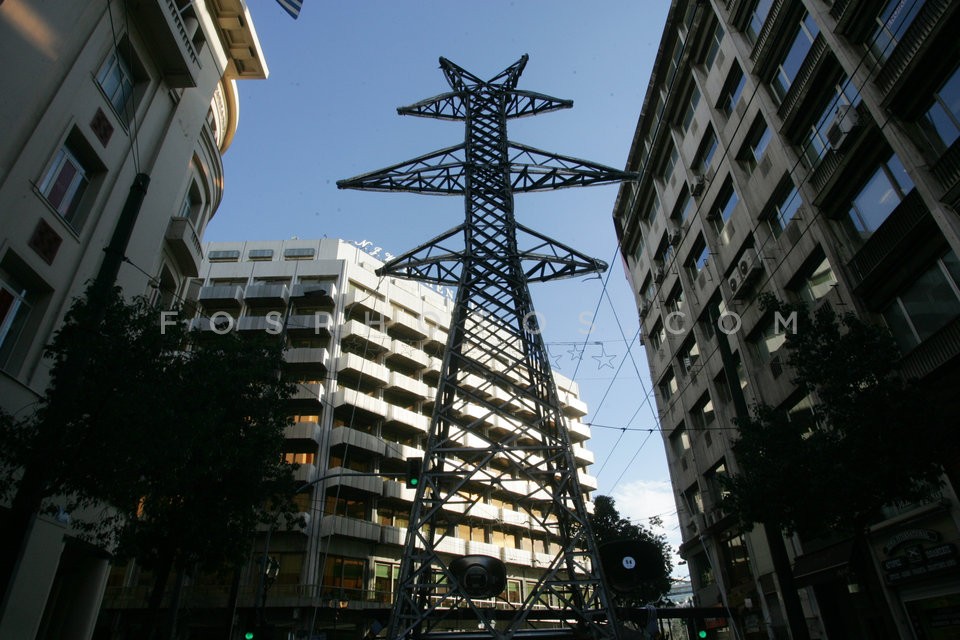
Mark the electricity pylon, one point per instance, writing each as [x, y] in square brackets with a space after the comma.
[497, 424]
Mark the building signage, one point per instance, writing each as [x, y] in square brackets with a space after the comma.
[373, 250]
[920, 562]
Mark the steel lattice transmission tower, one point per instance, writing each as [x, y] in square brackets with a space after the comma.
[497, 423]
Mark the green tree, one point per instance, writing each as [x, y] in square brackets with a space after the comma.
[871, 439]
[608, 526]
[172, 452]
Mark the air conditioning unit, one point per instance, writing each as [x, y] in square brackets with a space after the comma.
[659, 275]
[734, 282]
[644, 308]
[749, 265]
[845, 119]
[675, 237]
[699, 184]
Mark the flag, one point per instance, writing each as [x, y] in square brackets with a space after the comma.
[291, 6]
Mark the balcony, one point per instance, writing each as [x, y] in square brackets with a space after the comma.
[408, 326]
[401, 416]
[320, 293]
[517, 556]
[934, 352]
[171, 40]
[349, 527]
[345, 480]
[587, 482]
[306, 359]
[583, 455]
[362, 371]
[266, 294]
[184, 246]
[907, 56]
[400, 383]
[308, 396]
[221, 297]
[369, 339]
[407, 355]
[572, 405]
[303, 431]
[515, 518]
[354, 399]
[353, 438]
[304, 324]
[305, 473]
[367, 303]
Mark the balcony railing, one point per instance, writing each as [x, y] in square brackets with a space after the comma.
[172, 42]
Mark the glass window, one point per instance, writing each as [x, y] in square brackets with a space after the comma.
[116, 80]
[819, 283]
[344, 577]
[670, 163]
[787, 70]
[732, 89]
[881, 194]
[691, 109]
[668, 385]
[652, 209]
[708, 146]
[755, 144]
[14, 309]
[815, 141]
[702, 414]
[758, 16]
[716, 37]
[684, 206]
[736, 560]
[693, 499]
[658, 335]
[786, 203]
[769, 340]
[726, 202]
[689, 355]
[927, 304]
[698, 257]
[65, 183]
[679, 440]
[941, 123]
[892, 23]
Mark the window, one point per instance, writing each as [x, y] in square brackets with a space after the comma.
[664, 253]
[689, 355]
[651, 209]
[702, 414]
[758, 16]
[668, 385]
[657, 335]
[691, 109]
[769, 340]
[708, 146]
[192, 206]
[940, 124]
[892, 23]
[693, 499]
[787, 70]
[732, 89]
[14, 310]
[344, 577]
[724, 205]
[881, 194]
[679, 441]
[716, 488]
[784, 205]
[818, 283]
[927, 304]
[675, 57]
[676, 304]
[648, 289]
[230, 255]
[299, 254]
[68, 180]
[815, 144]
[670, 163]
[736, 560]
[755, 144]
[385, 578]
[120, 77]
[638, 249]
[698, 257]
[716, 37]
[684, 206]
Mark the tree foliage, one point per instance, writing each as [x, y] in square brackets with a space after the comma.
[872, 438]
[172, 452]
[609, 526]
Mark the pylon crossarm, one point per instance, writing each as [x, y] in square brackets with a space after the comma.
[438, 173]
[527, 103]
[533, 169]
[446, 106]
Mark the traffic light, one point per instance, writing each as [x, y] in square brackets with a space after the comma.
[414, 469]
[702, 633]
[249, 635]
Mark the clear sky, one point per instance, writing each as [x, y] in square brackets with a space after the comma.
[328, 112]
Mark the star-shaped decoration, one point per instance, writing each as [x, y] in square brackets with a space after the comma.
[576, 352]
[604, 359]
[555, 357]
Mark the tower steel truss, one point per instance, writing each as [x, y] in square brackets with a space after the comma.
[497, 423]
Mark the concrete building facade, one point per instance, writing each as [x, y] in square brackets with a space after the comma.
[92, 95]
[808, 149]
[365, 353]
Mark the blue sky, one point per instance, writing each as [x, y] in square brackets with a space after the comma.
[328, 112]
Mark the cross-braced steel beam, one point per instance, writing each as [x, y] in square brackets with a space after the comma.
[498, 435]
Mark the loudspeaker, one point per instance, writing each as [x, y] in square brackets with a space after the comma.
[628, 563]
[480, 576]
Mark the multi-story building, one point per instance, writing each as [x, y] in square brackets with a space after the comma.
[365, 353]
[93, 95]
[809, 149]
